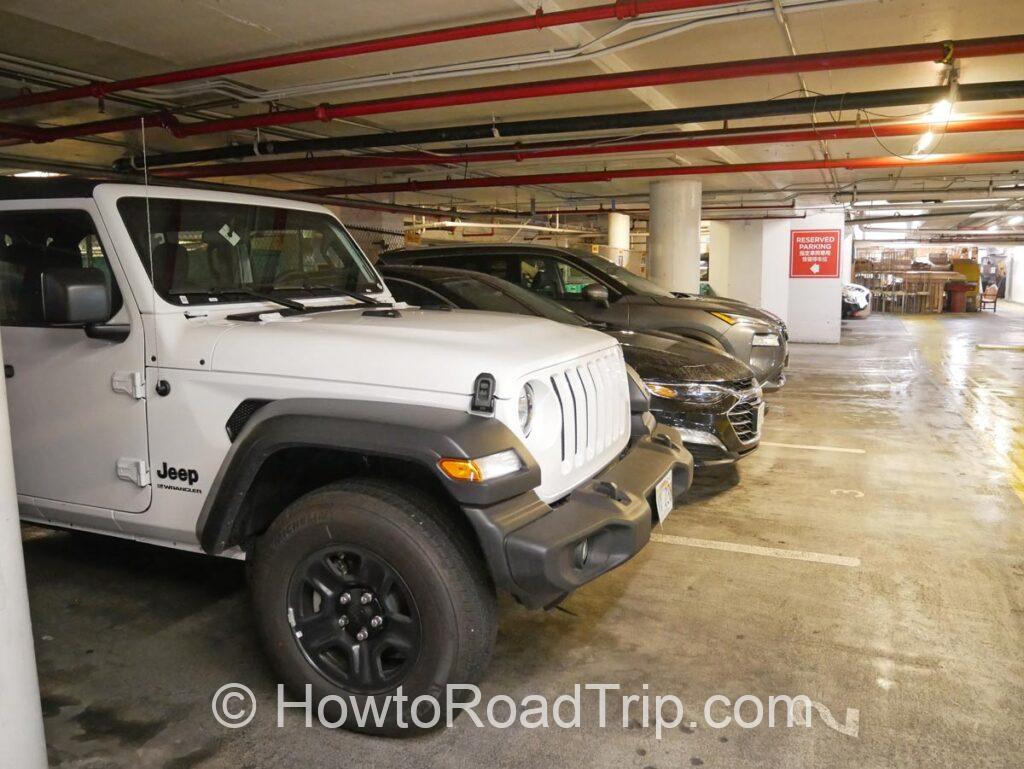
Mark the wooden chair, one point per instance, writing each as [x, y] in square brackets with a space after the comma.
[990, 297]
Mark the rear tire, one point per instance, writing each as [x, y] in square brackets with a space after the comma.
[363, 587]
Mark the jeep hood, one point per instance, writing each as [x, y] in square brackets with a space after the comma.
[416, 349]
[669, 359]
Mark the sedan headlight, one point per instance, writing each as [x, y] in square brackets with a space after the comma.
[765, 340]
[526, 408]
[690, 392]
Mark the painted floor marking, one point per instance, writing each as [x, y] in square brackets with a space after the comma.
[805, 447]
[771, 552]
[1010, 347]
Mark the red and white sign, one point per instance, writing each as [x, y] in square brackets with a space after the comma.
[814, 253]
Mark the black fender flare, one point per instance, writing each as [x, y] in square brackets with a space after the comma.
[420, 434]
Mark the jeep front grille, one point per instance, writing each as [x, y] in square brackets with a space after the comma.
[594, 404]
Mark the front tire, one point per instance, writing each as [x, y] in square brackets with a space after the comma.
[363, 587]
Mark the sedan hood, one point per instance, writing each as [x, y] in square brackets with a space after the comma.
[669, 359]
[416, 349]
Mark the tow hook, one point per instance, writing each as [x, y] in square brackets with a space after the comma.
[611, 490]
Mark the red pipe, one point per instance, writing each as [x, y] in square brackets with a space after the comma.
[888, 161]
[624, 9]
[913, 128]
[924, 52]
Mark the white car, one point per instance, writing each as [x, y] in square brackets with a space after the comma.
[856, 301]
[228, 374]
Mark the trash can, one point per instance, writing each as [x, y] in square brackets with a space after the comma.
[956, 291]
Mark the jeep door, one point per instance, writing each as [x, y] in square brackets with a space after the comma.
[76, 409]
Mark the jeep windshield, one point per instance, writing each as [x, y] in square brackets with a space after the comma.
[202, 251]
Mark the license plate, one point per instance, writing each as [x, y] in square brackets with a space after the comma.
[663, 496]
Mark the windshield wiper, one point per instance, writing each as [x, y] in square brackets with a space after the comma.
[346, 292]
[291, 304]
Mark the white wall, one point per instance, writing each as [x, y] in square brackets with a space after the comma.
[1015, 276]
[815, 304]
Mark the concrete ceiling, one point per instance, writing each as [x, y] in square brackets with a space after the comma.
[122, 38]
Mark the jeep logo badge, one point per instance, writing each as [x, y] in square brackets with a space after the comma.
[178, 474]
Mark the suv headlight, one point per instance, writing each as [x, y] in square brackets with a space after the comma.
[691, 392]
[526, 408]
[765, 340]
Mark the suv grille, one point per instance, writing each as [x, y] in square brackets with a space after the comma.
[594, 406]
[743, 417]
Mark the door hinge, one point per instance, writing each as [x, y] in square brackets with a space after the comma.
[130, 383]
[134, 470]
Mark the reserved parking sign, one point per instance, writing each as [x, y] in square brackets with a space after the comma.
[814, 253]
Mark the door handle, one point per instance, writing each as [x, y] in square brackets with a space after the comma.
[8, 371]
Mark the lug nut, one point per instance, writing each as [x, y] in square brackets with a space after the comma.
[344, 599]
[362, 634]
[365, 598]
[342, 621]
[376, 622]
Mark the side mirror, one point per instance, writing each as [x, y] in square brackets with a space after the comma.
[597, 294]
[79, 296]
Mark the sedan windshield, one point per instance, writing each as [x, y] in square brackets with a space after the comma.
[634, 283]
[198, 251]
[469, 292]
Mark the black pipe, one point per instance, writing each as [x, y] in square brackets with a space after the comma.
[900, 97]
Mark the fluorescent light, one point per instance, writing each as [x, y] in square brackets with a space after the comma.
[924, 143]
[1014, 221]
[992, 228]
[36, 174]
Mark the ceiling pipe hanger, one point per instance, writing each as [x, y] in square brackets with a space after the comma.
[900, 97]
[849, 59]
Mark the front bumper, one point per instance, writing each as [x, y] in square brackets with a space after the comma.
[530, 546]
[721, 443]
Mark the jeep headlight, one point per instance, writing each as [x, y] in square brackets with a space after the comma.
[689, 392]
[526, 408]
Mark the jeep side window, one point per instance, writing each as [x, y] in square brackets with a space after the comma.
[32, 242]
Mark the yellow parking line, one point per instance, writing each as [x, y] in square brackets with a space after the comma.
[1010, 347]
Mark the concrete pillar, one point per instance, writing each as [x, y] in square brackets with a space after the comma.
[618, 230]
[21, 719]
[815, 303]
[846, 272]
[748, 262]
[673, 246]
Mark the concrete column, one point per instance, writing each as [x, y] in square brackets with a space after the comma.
[21, 718]
[748, 262]
[673, 246]
[618, 230]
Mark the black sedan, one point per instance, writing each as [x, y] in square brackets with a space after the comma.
[711, 398]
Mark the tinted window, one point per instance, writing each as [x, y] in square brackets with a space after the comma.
[538, 274]
[489, 264]
[32, 242]
[193, 249]
[471, 293]
[634, 283]
[416, 295]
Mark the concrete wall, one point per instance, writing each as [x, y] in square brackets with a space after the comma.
[815, 304]
[749, 261]
[1015, 277]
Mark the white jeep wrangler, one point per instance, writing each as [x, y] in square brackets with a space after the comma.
[229, 374]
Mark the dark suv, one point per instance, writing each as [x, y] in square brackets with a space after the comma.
[711, 399]
[604, 292]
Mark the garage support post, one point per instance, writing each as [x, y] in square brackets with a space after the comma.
[673, 246]
[21, 719]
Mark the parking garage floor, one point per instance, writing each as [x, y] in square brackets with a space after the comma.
[869, 557]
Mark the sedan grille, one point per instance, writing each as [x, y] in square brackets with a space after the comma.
[743, 417]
